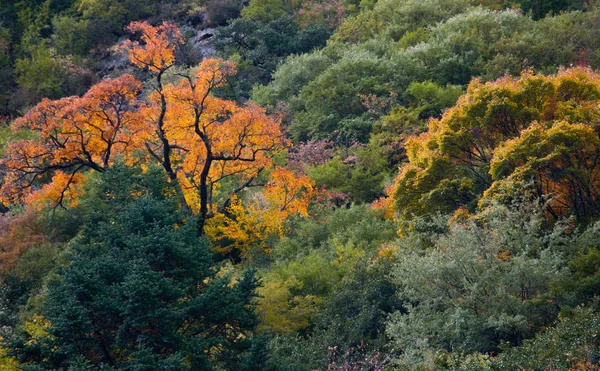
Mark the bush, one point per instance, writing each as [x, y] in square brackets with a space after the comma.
[572, 344]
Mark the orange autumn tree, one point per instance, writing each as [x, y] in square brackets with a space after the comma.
[216, 139]
[69, 136]
[201, 139]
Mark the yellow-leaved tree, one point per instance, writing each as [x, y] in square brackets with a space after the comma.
[286, 193]
[534, 135]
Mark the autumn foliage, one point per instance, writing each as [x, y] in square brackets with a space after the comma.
[156, 48]
[243, 227]
[303, 185]
[211, 138]
[72, 135]
[536, 133]
[199, 139]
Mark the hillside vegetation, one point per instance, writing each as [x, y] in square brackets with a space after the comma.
[290, 185]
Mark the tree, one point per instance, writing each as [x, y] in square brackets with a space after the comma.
[542, 8]
[40, 76]
[270, 9]
[262, 46]
[6, 72]
[479, 286]
[562, 161]
[444, 41]
[282, 312]
[139, 288]
[201, 139]
[198, 139]
[246, 227]
[330, 13]
[358, 173]
[18, 233]
[571, 344]
[502, 137]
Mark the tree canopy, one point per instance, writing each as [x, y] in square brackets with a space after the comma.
[503, 137]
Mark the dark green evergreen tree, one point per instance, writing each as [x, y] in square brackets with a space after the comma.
[139, 289]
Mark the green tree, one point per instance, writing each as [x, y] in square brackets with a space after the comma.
[334, 102]
[405, 42]
[479, 286]
[138, 289]
[71, 36]
[6, 71]
[540, 8]
[360, 173]
[396, 17]
[261, 46]
[290, 77]
[572, 344]
[40, 76]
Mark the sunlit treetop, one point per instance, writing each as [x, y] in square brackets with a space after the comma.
[156, 48]
[534, 131]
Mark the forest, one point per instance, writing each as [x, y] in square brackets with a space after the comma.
[300, 185]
